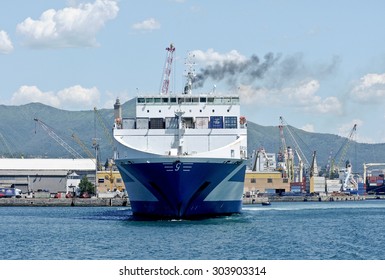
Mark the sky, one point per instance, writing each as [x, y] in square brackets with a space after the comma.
[318, 64]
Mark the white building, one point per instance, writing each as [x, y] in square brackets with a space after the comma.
[31, 175]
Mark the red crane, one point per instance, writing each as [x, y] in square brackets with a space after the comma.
[167, 69]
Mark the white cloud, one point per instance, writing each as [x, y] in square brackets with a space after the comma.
[28, 94]
[302, 96]
[72, 98]
[304, 93]
[370, 88]
[261, 96]
[69, 27]
[211, 57]
[5, 43]
[148, 25]
[328, 105]
[79, 96]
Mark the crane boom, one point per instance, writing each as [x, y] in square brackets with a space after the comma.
[56, 137]
[106, 131]
[167, 69]
[303, 157]
[81, 144]
[345, 146]
[2, 138]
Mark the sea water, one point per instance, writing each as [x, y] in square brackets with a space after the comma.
[344, 230]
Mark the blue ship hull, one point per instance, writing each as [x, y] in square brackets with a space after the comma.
[183, 188]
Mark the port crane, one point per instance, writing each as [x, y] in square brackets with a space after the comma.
[333, 171]
[104, 127]
[110, 176]
[288, 152]
[86, 150]
[300, 167]
[5, 143]
[57, 138]
[257, 160]
[167, 69]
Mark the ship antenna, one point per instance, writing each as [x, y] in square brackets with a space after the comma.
[190, 63]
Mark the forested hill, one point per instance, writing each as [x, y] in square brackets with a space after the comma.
[21, 136]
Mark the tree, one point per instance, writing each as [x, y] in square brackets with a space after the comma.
[86, 186]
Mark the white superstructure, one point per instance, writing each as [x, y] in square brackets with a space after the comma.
[208, 126]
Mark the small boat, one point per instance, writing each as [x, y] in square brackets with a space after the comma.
[266, 203]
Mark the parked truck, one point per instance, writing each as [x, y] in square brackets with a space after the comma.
[10, 192]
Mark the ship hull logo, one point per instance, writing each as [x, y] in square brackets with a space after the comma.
[177, 166]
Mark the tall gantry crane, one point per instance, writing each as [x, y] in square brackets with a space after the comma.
[297, 147]
[341, 153]
[167, 69]
[283, 149]
[288, 153]
[59, 140]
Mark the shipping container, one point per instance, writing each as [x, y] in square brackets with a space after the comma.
[216, 122]
[333, 185]
[142, 123]
[270, 191]
[295, 188]
[171, 123]
[317, 184]
[156, 123]
[361, 189]
[231, 122]
[128, 123]
[201, 122]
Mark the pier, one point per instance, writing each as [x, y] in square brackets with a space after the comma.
[117, 201]
[65, 202]
[323, 198]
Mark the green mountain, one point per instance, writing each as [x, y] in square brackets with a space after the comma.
[21, 135]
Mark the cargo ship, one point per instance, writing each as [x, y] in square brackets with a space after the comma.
[182, 155]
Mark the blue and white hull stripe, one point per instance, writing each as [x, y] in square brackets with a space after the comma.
[183, 187]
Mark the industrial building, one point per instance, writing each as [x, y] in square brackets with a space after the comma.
[109, 181]
[37, 174]
[265, 182]
[263, 176]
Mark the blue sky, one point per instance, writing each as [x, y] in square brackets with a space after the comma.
[319, 64]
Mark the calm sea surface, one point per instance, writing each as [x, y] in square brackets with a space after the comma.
[289, 231]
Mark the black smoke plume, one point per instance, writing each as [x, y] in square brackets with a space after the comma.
[230, 71]
[275, 70]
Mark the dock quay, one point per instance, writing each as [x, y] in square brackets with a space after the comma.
[65, 202]
[117, 201]
[323, 198]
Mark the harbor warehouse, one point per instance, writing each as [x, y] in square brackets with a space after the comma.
[32, 175]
